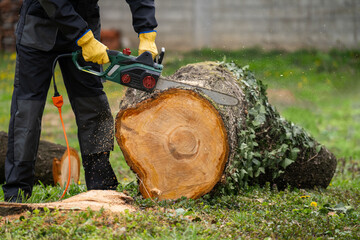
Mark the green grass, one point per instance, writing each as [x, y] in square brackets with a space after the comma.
[321, 95]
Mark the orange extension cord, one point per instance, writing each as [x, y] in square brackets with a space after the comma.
[58, 102]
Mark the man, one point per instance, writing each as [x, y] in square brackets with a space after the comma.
[47, 28]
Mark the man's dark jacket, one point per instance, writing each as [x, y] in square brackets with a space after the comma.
[42, 20]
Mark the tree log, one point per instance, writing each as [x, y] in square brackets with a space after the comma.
[181, 143]
[51, 165]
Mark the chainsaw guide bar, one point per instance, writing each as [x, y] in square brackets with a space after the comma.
[218, 97]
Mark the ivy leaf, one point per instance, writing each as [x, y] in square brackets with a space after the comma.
[242, 173]
[180, 211]
[259, 120]
[294, 153]
[243, 146]
[286, 162]
[246, 83]
[262, 109]
[289, 135]
[318, 148]
[253, 112]
[250, 171]
[284, 147]
[257, 154]
[260, 170]
[246, 67]
[256, 162]
[340, 208]
[257, 173]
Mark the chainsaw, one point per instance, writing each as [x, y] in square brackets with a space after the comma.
[143, 73]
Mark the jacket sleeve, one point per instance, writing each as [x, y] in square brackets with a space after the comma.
[143, 15]
[69, 22]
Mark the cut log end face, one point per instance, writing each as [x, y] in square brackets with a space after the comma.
[61, 168]
[176, 143]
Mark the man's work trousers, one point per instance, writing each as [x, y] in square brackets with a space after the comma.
[89, 103]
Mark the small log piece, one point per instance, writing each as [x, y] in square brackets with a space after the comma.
[51, 165]
[61, 168]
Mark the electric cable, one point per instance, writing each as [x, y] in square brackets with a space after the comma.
[58, 102]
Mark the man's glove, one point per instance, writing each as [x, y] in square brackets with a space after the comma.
[147, 43]
[92, 49]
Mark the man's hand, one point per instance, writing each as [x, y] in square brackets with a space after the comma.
[92, 49]
[147, 43]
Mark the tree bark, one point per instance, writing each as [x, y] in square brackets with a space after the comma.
[51, 165]
[181, 143]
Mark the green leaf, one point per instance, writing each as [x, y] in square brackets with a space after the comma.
[262, 109]
[341, 208]
[294, 153]
[256, 162]
[318, 148]
[250, 171]
[242, 173]
[190, 212]
[259, 120]
[180, 211]
[289, 136]
[284, 147]
[260, 170]
[243, 146]
[257, 173]
[253, 112]
[286, 162]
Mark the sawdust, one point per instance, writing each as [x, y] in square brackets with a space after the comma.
[109, 201]
[95, 200]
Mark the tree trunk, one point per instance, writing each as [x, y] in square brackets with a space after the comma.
[181, 143]
[51, 165]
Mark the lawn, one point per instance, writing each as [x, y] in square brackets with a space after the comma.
[316, 90]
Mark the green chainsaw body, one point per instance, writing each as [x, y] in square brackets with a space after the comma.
[136, 72]
[143, 73]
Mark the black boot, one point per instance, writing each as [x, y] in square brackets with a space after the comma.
[99, 174]
[13, 199]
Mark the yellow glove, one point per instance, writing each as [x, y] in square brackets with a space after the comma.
[147, 43]
[92, 49]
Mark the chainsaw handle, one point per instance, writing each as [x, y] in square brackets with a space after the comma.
[119, 62]
[88, 69]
